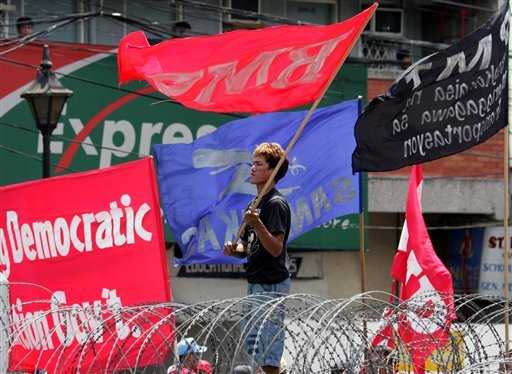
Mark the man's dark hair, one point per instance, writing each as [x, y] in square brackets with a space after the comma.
[23, 21]
[272, 152]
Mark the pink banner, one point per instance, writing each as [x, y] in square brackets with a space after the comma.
[89, 244]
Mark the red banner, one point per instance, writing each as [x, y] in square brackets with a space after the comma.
[243, 71]
[76, 250]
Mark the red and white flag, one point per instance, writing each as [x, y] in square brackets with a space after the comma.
[254, 71]
[424, 282]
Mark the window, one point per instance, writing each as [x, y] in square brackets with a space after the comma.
[317, 12]
[387, 21]
[248, 5]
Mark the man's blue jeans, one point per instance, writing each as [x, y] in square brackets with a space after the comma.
[267, 348]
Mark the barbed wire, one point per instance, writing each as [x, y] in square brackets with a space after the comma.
[320, 335]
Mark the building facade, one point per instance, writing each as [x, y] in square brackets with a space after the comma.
[464, 190]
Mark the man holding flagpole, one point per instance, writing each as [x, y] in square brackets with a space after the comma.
[264, 240]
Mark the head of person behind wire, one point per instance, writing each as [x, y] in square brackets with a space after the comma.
[24, 25]
[189, 353]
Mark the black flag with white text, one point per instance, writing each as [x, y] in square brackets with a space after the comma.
[443, 104]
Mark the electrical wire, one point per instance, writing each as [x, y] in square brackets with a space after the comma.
[241, 12]
[43, 33]
[331, 93]
[427, 178]
[90, 81]
[147, 23]
[105, 85]
[467, 6]
[21, 41]
[43, 20]
[481, 224]
[350, 226]
[494, 176]
[28, 155]
[158, 99]
[150, 28]
[71, 140]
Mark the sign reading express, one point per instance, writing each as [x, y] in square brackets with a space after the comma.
[103, 126]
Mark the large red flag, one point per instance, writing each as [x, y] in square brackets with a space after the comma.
[243, 71]
[76, 250]
[424, 281]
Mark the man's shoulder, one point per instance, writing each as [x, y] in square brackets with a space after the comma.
[278, 198]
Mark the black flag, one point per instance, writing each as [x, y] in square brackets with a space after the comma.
[443, 104]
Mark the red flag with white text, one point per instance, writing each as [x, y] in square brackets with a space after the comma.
[425, 283]
[76, 249]
[252, 71]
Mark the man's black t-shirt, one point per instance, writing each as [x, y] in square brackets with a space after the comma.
[261, 266]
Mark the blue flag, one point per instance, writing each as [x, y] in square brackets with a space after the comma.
[205, 187]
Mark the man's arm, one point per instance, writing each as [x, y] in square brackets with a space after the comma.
[272, 243]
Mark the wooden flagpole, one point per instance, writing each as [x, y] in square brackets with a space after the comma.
[506, 208]
[303, 124]
[362, 255]
[362, 228]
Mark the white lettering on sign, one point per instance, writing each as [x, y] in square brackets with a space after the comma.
[308, 60]
[236, 81]
[119, 139]
[456, 113]
[304, 211]
[112, 128]
[483, 53]
[41, 240]
[63, 325]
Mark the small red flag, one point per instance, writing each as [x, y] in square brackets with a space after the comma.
[252, 71]
[425, 281]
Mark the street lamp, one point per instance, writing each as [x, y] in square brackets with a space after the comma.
[46, 99]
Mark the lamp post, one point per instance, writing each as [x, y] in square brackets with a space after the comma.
[46, 98]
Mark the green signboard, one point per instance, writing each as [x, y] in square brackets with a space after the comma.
[102, 125]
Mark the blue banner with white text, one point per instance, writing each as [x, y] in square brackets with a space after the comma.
[205, 187]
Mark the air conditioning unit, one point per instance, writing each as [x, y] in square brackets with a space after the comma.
[387, 21]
